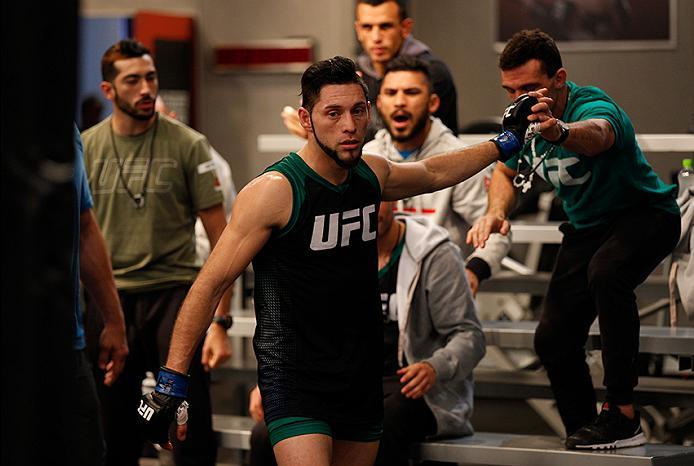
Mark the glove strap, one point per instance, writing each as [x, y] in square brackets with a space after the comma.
[508, 145]
[171, 383]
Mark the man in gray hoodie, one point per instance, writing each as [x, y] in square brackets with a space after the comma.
[432, 336]
[432, 339]
[407, 102]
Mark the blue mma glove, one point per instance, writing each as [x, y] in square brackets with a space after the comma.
[515, 125]
[159, 408]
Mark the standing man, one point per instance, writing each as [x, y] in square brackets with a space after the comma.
[151, 176]
[406, 103]
[309, 225]
[432, 340]
[384, 32]
[91, 263]
[623, 221]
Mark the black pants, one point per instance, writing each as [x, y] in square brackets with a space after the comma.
[596, 272]
[404, 421]
[149, 320]
[84, 436]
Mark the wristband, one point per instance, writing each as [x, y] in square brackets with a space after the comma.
[564, 133]
[508, 145]
[479, 267]
[171, 383]
[226, 321]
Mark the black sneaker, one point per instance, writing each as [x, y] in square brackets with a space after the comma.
[611, 429]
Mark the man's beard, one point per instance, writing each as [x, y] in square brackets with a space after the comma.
[132, 111]
[332, 153]
[418, 127]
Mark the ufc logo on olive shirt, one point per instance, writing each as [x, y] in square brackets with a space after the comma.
[345, 225]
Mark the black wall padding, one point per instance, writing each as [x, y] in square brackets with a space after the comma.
[39, 50]
[173, 64]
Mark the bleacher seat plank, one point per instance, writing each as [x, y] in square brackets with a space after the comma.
[507, 334]
[503, 384]
[487, 448]
[654, 287]
[233, 432]
[652, 339]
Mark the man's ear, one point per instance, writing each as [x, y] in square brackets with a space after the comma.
[108, 90]
[406, 25]
[305, 119]
[434, 103]
[560, 77]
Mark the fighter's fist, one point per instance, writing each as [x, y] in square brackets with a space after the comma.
[515, 125]
[159, 408]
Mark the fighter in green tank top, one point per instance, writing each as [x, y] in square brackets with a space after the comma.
[319, 337]
[594, 189]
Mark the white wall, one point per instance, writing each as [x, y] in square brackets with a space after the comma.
[235, 108]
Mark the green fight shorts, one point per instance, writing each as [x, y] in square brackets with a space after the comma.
[287, 427]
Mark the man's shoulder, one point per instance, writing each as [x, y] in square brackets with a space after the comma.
[179, 131]
[587, 99]
[436, 64]
[584, 94]
[98, 130]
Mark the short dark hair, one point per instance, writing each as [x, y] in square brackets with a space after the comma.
[336, 70]
[531, 44]
[410, 63]
[126, 48]
[402, 8]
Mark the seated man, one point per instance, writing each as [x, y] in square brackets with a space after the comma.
[432, 339]
[407, 102]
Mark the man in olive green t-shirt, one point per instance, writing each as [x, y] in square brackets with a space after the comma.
[151, 177]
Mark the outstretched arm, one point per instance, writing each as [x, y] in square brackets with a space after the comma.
[441, 171]
[589, 137]
[433, 173]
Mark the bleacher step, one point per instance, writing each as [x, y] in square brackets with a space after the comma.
[486, 448]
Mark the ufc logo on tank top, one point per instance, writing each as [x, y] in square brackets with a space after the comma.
[343, 227]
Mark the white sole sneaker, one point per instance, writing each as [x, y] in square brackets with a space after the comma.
[635, 441]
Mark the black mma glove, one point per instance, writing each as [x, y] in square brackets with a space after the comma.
[159, 408]
[514, 124]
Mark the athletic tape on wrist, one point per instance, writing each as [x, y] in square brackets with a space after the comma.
[172, 384]
[182, 414]
[508, 145]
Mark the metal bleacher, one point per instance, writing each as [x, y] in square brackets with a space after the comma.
[489, 448]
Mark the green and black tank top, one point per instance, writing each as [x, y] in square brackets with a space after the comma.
[319, 338]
